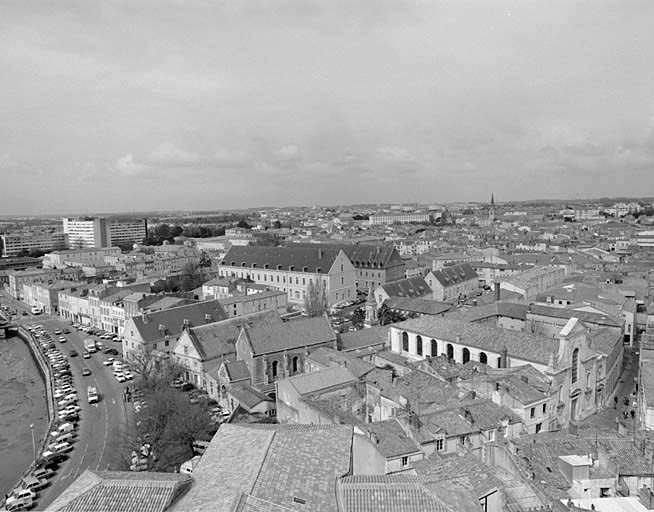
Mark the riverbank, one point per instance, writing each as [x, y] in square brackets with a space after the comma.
[22, 402]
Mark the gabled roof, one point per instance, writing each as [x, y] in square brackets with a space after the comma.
[219, 338]
[381, 256]
[420, 306]
[304, 332]
[315, 382]
[237, 370]
[494, 309]
[247, 396]
[388, 493]
[329, 357]
[585, 316]
[354, 340]
[117, 491]
[271, 463]
[455, 274]
[311, 258]
[528, 347]
[390, 439]
[173, 319]
[409, 287]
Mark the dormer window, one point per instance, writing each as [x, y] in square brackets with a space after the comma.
[291, 268]
[254, 265]
[265, 266]
[279, 267]
[319, 270]
[243, 264]
[305, 269]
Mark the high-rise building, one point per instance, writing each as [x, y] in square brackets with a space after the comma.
[88, 232]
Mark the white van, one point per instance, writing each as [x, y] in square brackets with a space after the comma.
[65, 427]
[65, 438]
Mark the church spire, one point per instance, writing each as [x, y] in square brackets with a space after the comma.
[492, 199]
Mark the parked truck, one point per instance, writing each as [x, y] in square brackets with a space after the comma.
[89, 345]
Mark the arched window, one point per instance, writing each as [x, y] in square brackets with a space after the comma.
[275, 367]
[466, 355]
[575, 365]
[450, 351]
[419, 345]
[483, 358]
[294, 364]
[434, 348]
[405, 342]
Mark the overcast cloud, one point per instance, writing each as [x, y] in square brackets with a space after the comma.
[154, 104]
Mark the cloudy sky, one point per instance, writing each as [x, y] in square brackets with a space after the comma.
[156, 104]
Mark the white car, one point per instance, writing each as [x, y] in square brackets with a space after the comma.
[128, 375]
[120, 377]
[108, 362]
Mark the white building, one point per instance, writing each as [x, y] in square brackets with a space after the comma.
[421, 218]
[15, 243]
[86, 232]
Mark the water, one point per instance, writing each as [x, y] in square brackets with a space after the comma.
[22, 402]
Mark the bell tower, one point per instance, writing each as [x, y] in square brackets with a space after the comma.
[491, 210]
[371, 311]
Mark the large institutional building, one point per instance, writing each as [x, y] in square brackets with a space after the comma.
[87, 232]
[13, 244]
[291, 269]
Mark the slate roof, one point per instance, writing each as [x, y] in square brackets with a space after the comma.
[305, 332]
[528, 347]
[117, 491]
[585, 316]
[271, 463]
[364, 338]
[409, 287]
[237, 370]
[173, 319]
[420, 306]
[604, 340]
[455, 274]
[390, 439]
[445, 467]
[494, 309]
[219, 338]
[387, 493]
[420, 389]
[365, 255]
[247, 396]
[312, 257]
[314, 382]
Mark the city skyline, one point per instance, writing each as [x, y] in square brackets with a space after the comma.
[195, 106]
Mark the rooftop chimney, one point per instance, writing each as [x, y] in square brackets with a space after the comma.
[497, 291]
[319, 253]
[207, 318]
[144, 317]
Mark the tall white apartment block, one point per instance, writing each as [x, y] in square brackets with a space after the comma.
[97, 232]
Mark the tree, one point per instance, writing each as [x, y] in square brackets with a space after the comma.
[315, 302]
[388, 316]
[358, 317]
[205, 260]
[243, 224]
[193, 277]
[277, 224]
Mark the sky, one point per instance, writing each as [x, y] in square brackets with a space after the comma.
[109, 106]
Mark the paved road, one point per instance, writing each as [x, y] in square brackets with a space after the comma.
[101, 423]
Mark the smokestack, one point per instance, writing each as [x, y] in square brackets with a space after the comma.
[497, 291]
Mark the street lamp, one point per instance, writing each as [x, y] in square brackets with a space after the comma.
[33, 441]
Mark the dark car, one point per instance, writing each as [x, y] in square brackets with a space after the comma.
[56, 458]
[74, 353]
[111, 351]
[66, 331]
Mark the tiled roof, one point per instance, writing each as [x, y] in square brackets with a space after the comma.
[585, 316]
[390, 439]
[298, 257]
[173, 319]
[455, 274]
[364, 338]
[421, 306]
[528, 347]
[292, 467]
[445, 467]
[326, 356]
[387, 493]
[314, 382]
[109, 491]
[218, 338]
[420, 389]
[604, 340]
[494, 309]
[304, 332]
[409, 287]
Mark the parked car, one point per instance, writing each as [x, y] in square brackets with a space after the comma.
[86, 354]
[57, 331]
[66, 331]
[74, 353]
[108, 362]
[32, 483]
[16, 504]
[86, 371]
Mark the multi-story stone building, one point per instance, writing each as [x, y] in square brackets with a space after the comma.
[456, 281]
[400, 218]
[292, 269]
[17, 278]
[584, 366]
[79, 257]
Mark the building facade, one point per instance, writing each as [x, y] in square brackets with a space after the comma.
[14, 244]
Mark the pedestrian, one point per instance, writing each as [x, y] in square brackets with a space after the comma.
[615, 402]
[633, 414]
